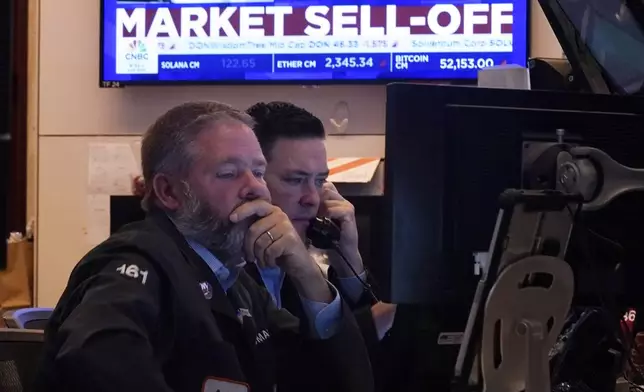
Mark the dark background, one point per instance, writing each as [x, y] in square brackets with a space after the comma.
[13, 118]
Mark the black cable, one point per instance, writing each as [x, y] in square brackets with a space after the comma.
[628, 343]
[632, 384]
[366, 285]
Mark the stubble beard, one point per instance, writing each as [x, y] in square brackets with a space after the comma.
[197, 221]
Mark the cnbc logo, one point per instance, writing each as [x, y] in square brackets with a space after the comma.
[136, 51]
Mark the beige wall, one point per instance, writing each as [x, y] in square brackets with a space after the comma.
[543, 42]
[68, 112]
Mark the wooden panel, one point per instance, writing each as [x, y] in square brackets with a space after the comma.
[543, 42]
[65, 220]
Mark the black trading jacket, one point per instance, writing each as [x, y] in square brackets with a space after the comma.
[143, 312]
[361, 312]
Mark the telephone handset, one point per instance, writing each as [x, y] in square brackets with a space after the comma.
[324, 233]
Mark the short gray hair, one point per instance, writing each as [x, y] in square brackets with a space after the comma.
[166, 145]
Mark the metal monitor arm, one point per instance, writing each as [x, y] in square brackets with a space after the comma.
[525, 294]
[596, 176]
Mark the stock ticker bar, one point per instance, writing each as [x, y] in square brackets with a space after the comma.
[192, 42]
[381, 62]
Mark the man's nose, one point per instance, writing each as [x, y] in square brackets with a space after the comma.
[254, 187]
[310, 195]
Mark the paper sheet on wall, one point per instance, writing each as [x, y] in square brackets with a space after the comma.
[352, 170]
[98, 219]
[112, 167]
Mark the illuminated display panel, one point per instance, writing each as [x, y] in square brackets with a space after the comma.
[191, 41]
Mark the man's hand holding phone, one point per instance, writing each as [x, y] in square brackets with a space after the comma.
[337, 208]
[340, 210]
[272, 241]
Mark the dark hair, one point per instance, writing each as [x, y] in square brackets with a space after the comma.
[168, 145]
[277, 120]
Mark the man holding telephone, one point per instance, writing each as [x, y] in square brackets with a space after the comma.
[293, 142]
[165, 305]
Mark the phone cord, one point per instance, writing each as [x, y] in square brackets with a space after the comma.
[366, 285]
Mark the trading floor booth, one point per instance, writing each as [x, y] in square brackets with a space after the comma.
[452, 151]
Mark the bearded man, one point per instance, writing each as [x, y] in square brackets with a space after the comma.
[165, 305]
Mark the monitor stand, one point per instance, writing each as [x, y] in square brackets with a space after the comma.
[523, 298]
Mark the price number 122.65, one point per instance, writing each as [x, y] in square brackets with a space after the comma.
[236, 63]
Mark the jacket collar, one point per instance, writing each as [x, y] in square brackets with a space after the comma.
[219, 302]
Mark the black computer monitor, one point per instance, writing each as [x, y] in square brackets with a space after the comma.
[124, 210]
[450, 151]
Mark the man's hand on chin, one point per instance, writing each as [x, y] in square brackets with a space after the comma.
[272, 241]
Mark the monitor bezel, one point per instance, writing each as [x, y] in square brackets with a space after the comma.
[103, 83]
[586, 69]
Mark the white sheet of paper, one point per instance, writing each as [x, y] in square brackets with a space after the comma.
[98, 219]
[112, 167]
[214, 385]
[358, 174]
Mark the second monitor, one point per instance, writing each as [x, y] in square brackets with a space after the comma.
[451, 151]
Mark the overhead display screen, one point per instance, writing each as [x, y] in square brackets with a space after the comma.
[196, 41]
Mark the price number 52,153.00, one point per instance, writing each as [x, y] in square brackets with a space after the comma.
[466, 63]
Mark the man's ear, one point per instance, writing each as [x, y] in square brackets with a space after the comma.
[166, 192]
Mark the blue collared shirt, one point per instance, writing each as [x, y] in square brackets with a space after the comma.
[326, 317]
[273, 279]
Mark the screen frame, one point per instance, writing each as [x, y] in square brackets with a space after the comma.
[584, 65]
[588, 71]
[103, 83]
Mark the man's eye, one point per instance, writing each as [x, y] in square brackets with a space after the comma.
[320, 182]
[258, 174]
[293, 181]
[226, 175]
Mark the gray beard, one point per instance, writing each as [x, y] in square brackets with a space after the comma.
[200, 223]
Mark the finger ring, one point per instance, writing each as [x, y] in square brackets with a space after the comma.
[270, 236]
